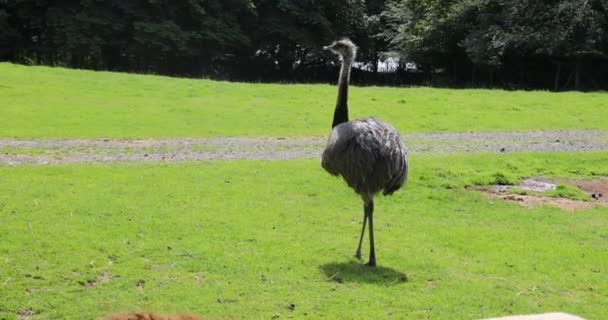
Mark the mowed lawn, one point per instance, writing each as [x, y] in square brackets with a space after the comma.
[275, 239]
[42, 102]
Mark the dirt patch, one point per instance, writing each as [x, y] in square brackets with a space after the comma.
[25, 314]
[535, 189]
[534, 201]
[597, 189]
[102, 278]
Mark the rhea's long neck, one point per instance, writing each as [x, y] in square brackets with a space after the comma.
[341, 112]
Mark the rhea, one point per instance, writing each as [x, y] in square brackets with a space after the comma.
[368, 153]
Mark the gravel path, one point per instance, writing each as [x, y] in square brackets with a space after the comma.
[14, 152]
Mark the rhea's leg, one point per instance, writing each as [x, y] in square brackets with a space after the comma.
[369, 212]
[358, 253]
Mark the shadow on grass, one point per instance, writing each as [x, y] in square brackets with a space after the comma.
[357, 272]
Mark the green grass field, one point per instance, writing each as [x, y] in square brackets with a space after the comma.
[276, 239]
[251, 238]
[44, 102]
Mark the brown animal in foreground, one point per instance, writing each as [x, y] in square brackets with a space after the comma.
[151, 316]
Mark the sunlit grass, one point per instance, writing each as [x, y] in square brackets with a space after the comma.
[53, 102]
[568, 192]
[256, 239]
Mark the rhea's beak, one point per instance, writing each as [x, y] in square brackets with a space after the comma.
[326, 47]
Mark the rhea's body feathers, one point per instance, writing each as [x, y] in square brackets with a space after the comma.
[368, 154]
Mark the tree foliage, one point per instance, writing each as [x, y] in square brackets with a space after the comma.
[527, 43]
[499, 36]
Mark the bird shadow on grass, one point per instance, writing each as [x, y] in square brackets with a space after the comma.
[357, 272]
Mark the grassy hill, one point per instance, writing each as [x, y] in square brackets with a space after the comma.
[45, 102]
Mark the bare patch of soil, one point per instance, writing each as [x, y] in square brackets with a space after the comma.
[102, 278]
[597, 189]
[534, 201]
[25, 314]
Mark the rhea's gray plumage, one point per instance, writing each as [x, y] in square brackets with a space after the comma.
[368, 153]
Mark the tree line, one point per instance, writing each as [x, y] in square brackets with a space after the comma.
[552, 44]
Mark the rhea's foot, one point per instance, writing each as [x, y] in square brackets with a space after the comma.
[358, 254]
[371, 263]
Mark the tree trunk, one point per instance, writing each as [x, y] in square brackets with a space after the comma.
[567, 85]
[578, 73]
[375, 64]
[522, 73]
[473, 75]
[558, 72]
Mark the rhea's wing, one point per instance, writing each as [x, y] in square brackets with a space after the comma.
[348, 156]
[334, 159]
[386, 156]
[397, 164]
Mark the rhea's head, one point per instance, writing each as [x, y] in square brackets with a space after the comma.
[345, 48]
